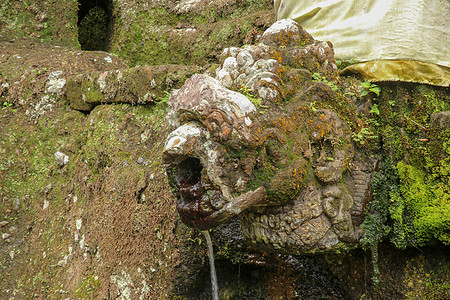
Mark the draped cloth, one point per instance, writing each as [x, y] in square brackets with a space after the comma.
[400, 40]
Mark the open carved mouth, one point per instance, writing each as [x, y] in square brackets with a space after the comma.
[197, 198]
[200, 204]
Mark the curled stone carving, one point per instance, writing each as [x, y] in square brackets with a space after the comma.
[285, 162]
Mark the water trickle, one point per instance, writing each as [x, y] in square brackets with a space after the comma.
[215, 288]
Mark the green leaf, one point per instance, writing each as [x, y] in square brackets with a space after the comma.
[366, 84]
[375, 109]
[376, 90]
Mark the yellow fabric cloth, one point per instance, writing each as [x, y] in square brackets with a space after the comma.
[405, 40]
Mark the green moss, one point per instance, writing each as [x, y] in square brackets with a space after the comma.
[410, 204]
[149, 44]
[49, 21]
[385, 186]
[37, 146]
[428, 202]
[157, 36]
[261, 176]
[88, 287]
[406, 207]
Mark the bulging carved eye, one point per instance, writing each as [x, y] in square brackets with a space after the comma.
[217, 124]
[213, 121]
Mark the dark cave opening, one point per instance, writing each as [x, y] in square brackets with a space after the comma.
[95, 24]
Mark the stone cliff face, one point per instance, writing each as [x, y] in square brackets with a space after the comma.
[83, 194]
[86, 207]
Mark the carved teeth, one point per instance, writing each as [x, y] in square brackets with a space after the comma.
[241, 203]
[205, 206]
[230, 209]
[216, 199]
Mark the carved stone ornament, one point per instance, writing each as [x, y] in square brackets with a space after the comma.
[265, 141]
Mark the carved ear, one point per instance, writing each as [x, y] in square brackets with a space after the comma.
[217, 124]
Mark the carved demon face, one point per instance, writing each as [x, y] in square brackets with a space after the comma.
[277, 153]
[211, 123]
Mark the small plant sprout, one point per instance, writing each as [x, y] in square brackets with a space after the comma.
[247, 92]
[317, 77]
[364, 134]
[375, 110]
[6, 105]
[370, 87]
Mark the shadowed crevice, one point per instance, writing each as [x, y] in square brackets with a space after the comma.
[95, 24]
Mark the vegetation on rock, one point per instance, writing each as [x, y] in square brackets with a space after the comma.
[410, 201]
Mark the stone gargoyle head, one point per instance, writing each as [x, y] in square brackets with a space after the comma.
[270, 139]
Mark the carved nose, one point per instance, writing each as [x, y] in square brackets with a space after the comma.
[181, 141]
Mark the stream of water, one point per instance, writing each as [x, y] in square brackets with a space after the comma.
[215, 288]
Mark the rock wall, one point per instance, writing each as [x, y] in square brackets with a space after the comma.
[186, 32]
[140, 32]
[52, 21]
